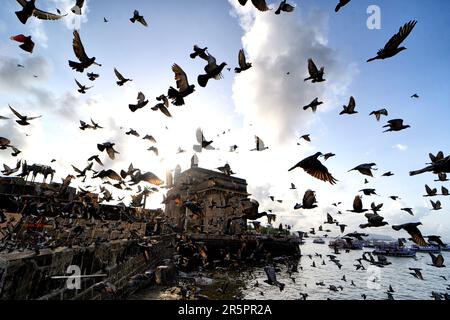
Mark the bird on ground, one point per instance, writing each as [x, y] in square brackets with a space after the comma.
[80, 53]
[396, 125]
[379, 113]
[29, 9]
[76, 9]
[141, 103]
[184, 89]
[162, 106]
[92, 76]
[243, 64]
[392, 48]
[27, 44]
[261, 5]
[260, 146]
[365, 169]
[137, 17]
[328, 156]
[285, 7]
[414, 232]
[313, 105]
[203, 143]
[437, 261]
[358, 205]
[200, 52]
[417, 273]
[121, 78]
[315, 168]
[315, 74]
[409, 210]
[436, 205]
[82, 88]
[23, 120]
[430, 192]
[341, 4]
[213, 71]
[350, 108]
[309, 201]
[109, 147]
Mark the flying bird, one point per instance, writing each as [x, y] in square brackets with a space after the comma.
[140, 104]
[414, 232]
[96, 158]
[4, 143]
[437, 261]
[92, 76]
[392, 48]
[358, 205]
[199, 52]
[374, 221]
[365, 169]
[315, 168]
[415, 96]
[27, 44]
[409, 210]
[430, 192]
[350, 108]
[184, 89]
[243, 64]
[81, 88]
[309, 201]
[213, 71]
[203, 143]
[261, 5]
[76, 9]
[162, 106]
[137, 17]
[313, 105]
[153, 149]
[396, 125]
[80, 53]
[440, 166]
[149, 138]
[379, 113]
[285, 7]
[260, 146]
[109, 147]
[436, 205]
[315, 74]
[121, 78]
[29, 9]
[23, 120]
[327, 156]
[341, 4]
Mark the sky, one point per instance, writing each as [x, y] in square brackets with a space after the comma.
[262, 101]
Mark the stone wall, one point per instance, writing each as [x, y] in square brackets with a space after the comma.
[27, 276]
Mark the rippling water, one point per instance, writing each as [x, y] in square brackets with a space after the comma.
[397, 275]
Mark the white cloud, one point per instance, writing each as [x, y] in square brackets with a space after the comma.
[400, 147]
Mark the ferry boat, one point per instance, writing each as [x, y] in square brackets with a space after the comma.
[394, 250]
[319, 241]
[429, 248]
[347, 243]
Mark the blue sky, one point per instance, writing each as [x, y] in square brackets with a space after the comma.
[146, 55]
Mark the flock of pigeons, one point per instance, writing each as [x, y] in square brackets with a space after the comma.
[176, 95]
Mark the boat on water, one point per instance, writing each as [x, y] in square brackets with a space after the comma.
[319, 241]
[393, 249]
[346, 243]
[446, 248]
[429, 248]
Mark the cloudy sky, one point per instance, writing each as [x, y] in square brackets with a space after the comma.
[263, 101]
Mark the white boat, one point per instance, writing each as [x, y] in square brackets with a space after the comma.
[319, 241]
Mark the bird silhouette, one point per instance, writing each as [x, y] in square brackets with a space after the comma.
[261, 5]
[284, 7]
[76, 9]
[121, 78]
[23, 120]
[27, 44]
[350, 108]
[213, 71]
[396, 125]
[137, 17]
[243, 64]
[315, 168]
[80, 53]
[29, 9]
[341, 4]
[313, 105]
[184, 89]
[315, 74]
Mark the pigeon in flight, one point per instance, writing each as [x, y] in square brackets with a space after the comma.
[313, 105]
[414, 232]
[23, 120]
[121, 78]
[92, 76]
[29, 9]
[415, 96]
[213, 71]
[199, 52]
[76, 9]
[309, 201]
[203, 143]
[137, 17]
[379, 113]
[341, 4]
[328, 156]
[358, 205]
[140, 104]
[261, 5]
[260, 146]
[162, 106]
[285, 7]
[350, 109]
[82, 89]
[315, 168]
[396, 125]
[365, 169]
[80, 53]
[184, 89]
[440, 166]
[27, 44]
[315, 74]
[392, 48]
[243, 64]
[109, 147]
[409, 210]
